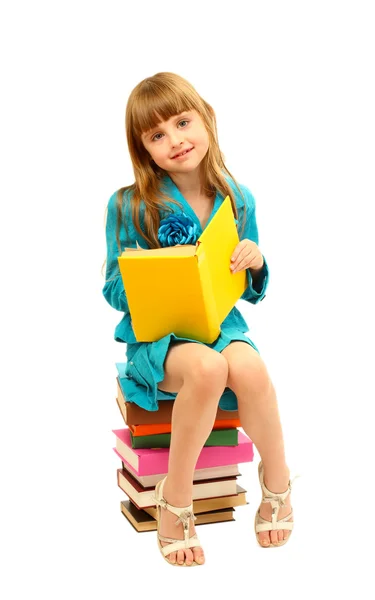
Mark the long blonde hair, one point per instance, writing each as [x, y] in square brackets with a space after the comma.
[166, 95]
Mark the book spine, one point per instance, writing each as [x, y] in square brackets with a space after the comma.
[160, 440]
[225, 455]
[219, 437]
[155, 429]
[223, 437]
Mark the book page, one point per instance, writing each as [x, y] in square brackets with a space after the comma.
[178, 250]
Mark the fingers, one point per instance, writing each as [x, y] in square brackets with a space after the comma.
[243, 255]
[243, 260]
[241, 246]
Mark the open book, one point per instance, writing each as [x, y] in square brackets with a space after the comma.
[188, 289]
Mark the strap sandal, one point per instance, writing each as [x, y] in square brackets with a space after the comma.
[276, 500]
[184, 514]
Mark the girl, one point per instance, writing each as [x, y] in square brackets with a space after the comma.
[179, 168]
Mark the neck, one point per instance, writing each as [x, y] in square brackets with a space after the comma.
[188, 183]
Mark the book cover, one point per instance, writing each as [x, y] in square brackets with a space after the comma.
[135, 415]
[199, 474]
[142, 521]
[184, 289]
[144, 497]
[218, 437]
[149, 461]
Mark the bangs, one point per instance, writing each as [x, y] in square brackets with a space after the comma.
[158, 104]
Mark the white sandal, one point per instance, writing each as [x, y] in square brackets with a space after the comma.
[276, 500]
[184, 514]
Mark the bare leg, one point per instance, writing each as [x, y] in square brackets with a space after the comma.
[204, 374]
[259, 416]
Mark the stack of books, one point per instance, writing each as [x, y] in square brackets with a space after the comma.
[143, 448]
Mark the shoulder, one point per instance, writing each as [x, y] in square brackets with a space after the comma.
[121, 197]
[120, 205]
[244, 199]
[116, 208]
[119, 217]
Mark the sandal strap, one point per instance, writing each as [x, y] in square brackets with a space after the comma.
[264, 525]
[179, 545]
[177, 510]
[166, 539]
[276, 500]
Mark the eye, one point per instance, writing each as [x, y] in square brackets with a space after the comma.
[153, 138]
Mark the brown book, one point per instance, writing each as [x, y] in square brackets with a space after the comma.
[135, 415]
[209, 504]
[142, 521]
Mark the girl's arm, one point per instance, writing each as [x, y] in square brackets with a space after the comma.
[257, 282]
[113, 290]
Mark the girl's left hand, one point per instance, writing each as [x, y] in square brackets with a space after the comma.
[246, 255]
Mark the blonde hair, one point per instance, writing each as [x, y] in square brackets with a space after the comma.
[166, 95]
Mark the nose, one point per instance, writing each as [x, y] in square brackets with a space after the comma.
[175, 140]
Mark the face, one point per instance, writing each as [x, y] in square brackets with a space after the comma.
[182, 132]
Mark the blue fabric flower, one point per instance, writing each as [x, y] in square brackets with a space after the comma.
[177, 229]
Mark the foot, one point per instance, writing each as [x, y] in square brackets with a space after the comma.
[277, 485]
[168, 528]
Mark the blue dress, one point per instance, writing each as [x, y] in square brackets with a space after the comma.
[145, 360]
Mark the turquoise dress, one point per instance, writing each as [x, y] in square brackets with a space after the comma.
[145, 360]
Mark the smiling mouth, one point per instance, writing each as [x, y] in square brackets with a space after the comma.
[182, 153]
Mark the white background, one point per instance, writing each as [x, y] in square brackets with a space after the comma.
[292, 87]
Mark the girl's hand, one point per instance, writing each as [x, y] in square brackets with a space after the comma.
[246, 255]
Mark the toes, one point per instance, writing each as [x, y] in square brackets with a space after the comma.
[189, 557]
[186, 556]
[274, 538]
[264, 538]
[198, 555]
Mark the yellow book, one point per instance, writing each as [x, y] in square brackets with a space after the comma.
[187, 289]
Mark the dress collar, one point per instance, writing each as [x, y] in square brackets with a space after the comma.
[173, 190]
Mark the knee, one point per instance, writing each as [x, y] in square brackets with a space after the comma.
[250, 374]
[209, 372]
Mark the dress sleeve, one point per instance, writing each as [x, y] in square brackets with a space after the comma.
[113, 290]
[256, 288]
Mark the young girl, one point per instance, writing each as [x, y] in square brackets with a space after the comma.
[179, 168]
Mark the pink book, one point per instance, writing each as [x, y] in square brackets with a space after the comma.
[151, 461]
